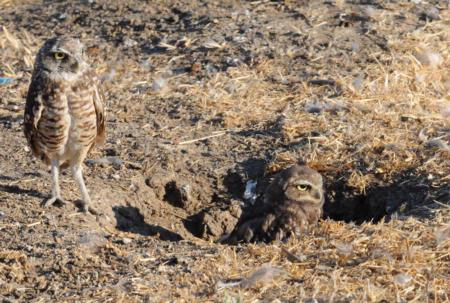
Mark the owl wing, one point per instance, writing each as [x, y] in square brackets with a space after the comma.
[100, 112]
[33, 111]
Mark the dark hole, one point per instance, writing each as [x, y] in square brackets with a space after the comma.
[234, 184]
[408, 194]
[173, 194]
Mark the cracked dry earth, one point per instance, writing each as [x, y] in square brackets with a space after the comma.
[205, 96]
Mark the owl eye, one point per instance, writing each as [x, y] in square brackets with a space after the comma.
[59, 55]
[303, 187]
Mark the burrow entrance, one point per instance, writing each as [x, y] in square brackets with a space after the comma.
[407, 194]
[213, 209]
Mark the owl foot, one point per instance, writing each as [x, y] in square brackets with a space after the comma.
[54, 200]
[84, 208]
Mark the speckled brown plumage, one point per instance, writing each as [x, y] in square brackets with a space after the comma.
[64, 113]
[293, 201]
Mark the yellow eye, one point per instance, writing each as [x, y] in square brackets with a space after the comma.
[59, 55]
[302, 187]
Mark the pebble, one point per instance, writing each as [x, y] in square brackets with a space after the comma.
[126, 240]
[105, 161]
[159, 84]
[402, 279]
[427, 57]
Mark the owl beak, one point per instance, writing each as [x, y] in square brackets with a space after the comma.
[74, 66]
[320, 195]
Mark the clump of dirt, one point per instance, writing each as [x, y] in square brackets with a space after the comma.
[215, 223]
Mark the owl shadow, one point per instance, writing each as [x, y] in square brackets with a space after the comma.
[130, 219]
[15, 189]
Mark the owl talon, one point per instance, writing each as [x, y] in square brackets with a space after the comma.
[84, 208]
[54, 200]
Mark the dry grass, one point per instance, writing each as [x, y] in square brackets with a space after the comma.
[11, 3]
[371, 131]
[398, 260]
[377, 118]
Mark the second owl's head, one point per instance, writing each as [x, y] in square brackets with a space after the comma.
[62, 57]
[304, 184]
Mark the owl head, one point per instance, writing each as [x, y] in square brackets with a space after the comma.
[62, 58]
[301, 183]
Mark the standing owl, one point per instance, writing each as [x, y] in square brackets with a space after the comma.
[64, 113]
[292, 202]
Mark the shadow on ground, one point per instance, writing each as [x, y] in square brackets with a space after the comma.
[15, 189]
[409, 194]
[129, 219]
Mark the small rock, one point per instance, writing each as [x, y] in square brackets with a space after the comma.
[431, 14]
[109, 76]
[442, 235]
[314, 108]
[381, 253]
[211, 69]
[159, 85]
[232, 62]
[62, 16]
[129, 42]
[343, 249]
[111, 152]
[358, 82]
[427, 57]
[107, 161]
[239, 39]
[126, 240]
[402, 279]
[91, 240]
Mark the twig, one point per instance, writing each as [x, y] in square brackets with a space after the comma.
[34, 224]
[202, 138]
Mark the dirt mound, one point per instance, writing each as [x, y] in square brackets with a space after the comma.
[206, 101]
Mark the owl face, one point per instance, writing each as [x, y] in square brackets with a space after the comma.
[62, 58]
[301, 183]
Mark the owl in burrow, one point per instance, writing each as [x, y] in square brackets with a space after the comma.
[64, 112]
[292, 202]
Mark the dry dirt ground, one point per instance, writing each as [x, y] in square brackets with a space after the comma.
[207, 97]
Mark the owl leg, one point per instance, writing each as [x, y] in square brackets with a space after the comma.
[56, 192]
[77, 172]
